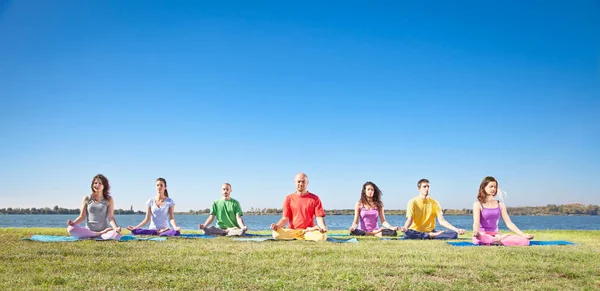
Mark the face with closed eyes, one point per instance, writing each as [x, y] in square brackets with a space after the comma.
[226, 191]
[369, 191]
[160, 187]
[424, 189]
[491, 188]
[301, 181]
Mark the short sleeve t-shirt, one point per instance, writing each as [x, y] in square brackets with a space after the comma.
[159, 216]
[423, 213]
[226, 212]
[301, 210]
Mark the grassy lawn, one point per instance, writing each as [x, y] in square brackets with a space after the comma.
[225, 264]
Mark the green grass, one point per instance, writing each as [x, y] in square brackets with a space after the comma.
[221, 263]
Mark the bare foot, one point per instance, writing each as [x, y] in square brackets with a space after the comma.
[104, 231]
[435, 234]
[163, 230]
[499, 237]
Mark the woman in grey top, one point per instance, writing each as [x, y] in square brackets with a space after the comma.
[98, 212]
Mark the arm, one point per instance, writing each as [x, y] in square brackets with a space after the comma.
[111, 215]
[409, 216]
[476, 218]
[384, 222]
[281, 223]
[207, 223]
[146, 219]
[447, 224]
[510, 224]
[172, 217]
[240, 222]
[407, 224]
[82, 213]
[356, 213]
[321, 223]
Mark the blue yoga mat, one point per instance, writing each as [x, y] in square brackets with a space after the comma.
[255, 239]
[58, 238]
[531, 243]
[340, 240]
[262, 239]
[195, 235]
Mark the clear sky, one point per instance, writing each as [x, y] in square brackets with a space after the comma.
[252, 92]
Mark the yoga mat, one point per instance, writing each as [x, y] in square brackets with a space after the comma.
[258, 235]
[531, 243]
[270, 235]
[255, 239]
[402, 238]
[262, 239]
[194, 235]
[339, 240]
[51, 238]
[57, 238]
[550, 243]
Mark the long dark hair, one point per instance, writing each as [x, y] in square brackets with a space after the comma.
[106, 191]
[376, 196]
[164, 182]
[481, 194]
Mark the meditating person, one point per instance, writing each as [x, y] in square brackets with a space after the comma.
[368, 210]
[159, 210]
[421, 213]
[98, 212]
[300, 210]
[228, 213]
[486, 214]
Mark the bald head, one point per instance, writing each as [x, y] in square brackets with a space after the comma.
[301, 181]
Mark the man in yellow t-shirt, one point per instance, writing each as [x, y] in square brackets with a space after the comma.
[421, 213]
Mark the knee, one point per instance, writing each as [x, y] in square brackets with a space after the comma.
[112, 235]
[452, 234]
[514, 240]
[484, 239]
[316, 236]
[276, 234]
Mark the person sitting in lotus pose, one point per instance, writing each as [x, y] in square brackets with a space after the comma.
[300, 210]
[486, 214]
[98, 212]
[229, 216]
[159, 210]
[368, 210]
[421, 213]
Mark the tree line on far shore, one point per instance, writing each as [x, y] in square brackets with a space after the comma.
[550, 209]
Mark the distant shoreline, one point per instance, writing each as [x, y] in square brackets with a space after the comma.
[574, 209]
[278, 214]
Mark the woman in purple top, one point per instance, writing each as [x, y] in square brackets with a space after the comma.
[486, 214]
[368, 210]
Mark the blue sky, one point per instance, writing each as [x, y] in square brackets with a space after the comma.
[253, 92]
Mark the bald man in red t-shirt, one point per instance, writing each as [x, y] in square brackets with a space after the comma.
[300, 210]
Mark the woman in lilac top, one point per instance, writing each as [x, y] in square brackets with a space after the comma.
[159, 210]
[368, 210]
[486, 214]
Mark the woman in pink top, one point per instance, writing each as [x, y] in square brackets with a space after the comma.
[486, 214]
[368, 210]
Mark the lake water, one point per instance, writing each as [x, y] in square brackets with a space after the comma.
[334, 222]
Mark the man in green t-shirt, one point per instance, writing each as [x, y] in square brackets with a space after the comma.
[228, 213]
